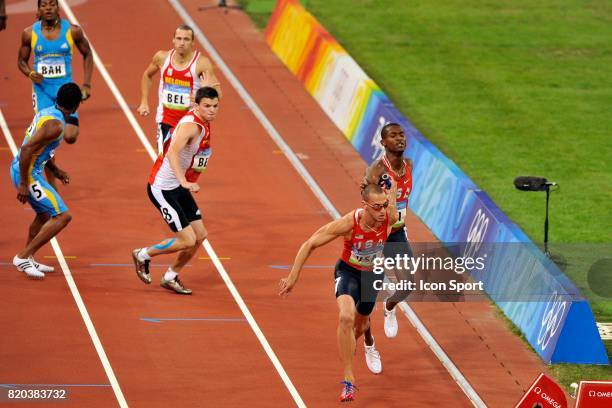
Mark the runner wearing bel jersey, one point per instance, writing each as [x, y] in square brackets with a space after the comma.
[365, 232]
[399, 169]
[182, 71]
[173, 178]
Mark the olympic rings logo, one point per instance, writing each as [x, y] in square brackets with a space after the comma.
[553, 315]
[476, 234]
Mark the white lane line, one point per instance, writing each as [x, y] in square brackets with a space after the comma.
[316, 189]
[444, 359]
[236, 295]
[75, 293]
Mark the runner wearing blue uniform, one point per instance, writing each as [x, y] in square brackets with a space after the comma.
[52, 41]
[42, 138]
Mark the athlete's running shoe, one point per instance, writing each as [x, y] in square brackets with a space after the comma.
[372, 358]
[175, 285]
[390, 321]
[25, 265]
[42, 267]
[348, 391]
[142, 267]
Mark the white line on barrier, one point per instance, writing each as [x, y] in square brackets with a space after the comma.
[318, 192]
[75, 293]
[207, 246]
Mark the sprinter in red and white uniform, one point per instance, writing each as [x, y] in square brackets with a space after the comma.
[399, 169]
[365, 232]
[183, 71]
[173, 178]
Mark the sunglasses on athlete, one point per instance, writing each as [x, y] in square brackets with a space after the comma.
[376, 206]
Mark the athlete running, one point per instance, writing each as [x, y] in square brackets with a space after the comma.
[183, 71]
[399, 169]
[365, 231]
[171, 184]
[42, 138]
[52, 40]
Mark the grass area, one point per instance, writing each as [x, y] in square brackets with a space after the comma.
[504, 88]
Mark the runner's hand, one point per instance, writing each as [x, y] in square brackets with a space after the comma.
[62, 176]
[85, 92]
[36, 77]
[22, 193]
[191, 187]
[143, 109]
[286, 285]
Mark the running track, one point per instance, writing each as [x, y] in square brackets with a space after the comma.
[257, 209]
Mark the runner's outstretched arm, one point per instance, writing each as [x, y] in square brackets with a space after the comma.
[324, 235]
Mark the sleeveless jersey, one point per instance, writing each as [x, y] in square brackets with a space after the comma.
[364, 246]
[53, 58]
[193, 159]
[45, 153]
[404, 188]
[175, 88]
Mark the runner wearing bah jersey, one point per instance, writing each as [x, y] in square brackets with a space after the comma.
[42, 139]
[365, 231]
[183, 71]
[172, 180]
[52, 41]
[399, 169]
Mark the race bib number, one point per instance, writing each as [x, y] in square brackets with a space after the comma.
[52, 67]
[364, 259]
[37, 192]
[200, 160]
[176, 97]
[401, 211]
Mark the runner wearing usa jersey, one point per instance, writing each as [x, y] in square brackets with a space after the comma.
[182, 71]
[173, 178]
[399, 169]
[365, 231]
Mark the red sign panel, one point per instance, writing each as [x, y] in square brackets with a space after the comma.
[594, 394]
[543, 393]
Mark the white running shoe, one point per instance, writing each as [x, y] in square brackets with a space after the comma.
[390, 321]
[25, 265]
[42, 267]
[372, 357]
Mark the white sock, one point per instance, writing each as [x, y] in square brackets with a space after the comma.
[170, 275]
[143, 255]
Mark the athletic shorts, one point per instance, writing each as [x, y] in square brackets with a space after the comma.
[163, 135]
[177, 206]
[43, 198]
[44, 96]
[357, 284]
[397, 244]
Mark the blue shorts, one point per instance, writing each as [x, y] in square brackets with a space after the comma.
[43, 198]
[44, 96]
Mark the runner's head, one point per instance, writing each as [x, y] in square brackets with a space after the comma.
[69, 97]
[375, 201]
[393, 138]
[48, 10]
[183, 39]
[207, 103]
